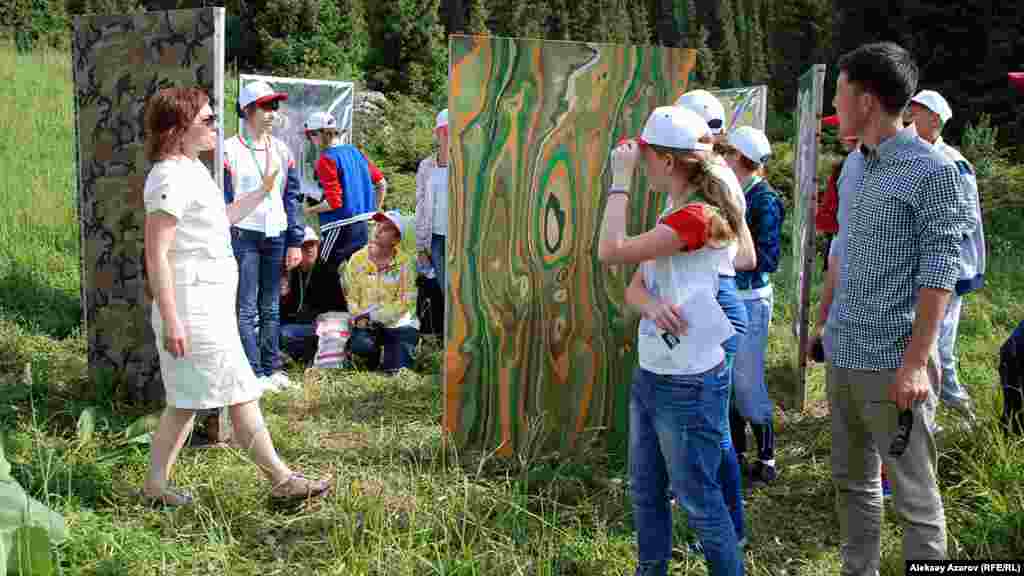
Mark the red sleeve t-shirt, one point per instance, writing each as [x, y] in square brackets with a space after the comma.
[327, 172]
[693, 225]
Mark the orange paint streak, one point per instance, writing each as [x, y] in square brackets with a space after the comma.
[504, 405]
[583, 411]
[481, 49]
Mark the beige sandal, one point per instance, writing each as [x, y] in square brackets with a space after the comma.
[171, 498]
[297, 488]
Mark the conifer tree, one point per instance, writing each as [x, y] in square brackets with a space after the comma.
[729, 63]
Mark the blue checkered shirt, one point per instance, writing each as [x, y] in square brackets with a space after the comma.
[905, 226]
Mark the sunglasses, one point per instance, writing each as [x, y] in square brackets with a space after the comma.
[272, 105]
[210, 121]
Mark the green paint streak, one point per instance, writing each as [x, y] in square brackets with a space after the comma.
[493, 225]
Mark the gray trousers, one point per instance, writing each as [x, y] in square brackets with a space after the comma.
[864, 423]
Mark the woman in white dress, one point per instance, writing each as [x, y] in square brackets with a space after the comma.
[193, 276]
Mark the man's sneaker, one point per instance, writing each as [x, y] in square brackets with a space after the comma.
[763, 473]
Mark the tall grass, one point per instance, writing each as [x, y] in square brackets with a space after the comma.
[404, 503]
[39, 267]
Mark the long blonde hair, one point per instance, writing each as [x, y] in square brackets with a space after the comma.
[726, 218]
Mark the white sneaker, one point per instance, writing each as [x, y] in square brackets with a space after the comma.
[281, 381]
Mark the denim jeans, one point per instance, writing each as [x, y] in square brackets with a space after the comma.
[675, 438]
[260, 264]
[398, 346]
[750, 391]
[296, 341]
[953, 393]
[730, 475]
[437, 259]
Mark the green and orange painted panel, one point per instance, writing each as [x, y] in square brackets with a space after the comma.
[539, 346]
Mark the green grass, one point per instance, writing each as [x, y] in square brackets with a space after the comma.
[404, 503]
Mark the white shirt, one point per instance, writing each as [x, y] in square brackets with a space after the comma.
[689, 279]
[247, 166]
[727, 266]
[439, 191]
[185, 189]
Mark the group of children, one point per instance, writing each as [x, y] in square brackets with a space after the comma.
[703, 288]
[704, 292]
[284, 263]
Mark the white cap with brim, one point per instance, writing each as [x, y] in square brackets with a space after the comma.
[442, 119]
[707, 106]
[258, 92]
[321, 121]
[934, 101]
[675, 127]
[752, 143]
[310, 235]
[393, 216]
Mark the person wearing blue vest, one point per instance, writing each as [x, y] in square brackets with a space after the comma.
[353, 187]
[930, 112]
[747, 151]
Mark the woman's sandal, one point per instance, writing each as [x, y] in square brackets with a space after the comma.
[171, 498]
[298, 488]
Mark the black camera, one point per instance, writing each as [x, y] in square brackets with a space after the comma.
[899, 443]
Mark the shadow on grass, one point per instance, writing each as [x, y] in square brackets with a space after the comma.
[30, 299]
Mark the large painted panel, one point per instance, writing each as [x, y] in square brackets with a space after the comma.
[539, 345]
[306, 96]
[119, 62]
[808, 138]
[746, 106]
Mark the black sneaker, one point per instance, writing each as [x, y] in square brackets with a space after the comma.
[744, 468]
[763, 473]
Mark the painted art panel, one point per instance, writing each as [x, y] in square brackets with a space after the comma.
[540, 347]
[746, 106]
[118, 63]
[306, 96]
[808, 138]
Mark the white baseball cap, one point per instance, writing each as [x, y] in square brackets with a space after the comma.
[752, 143]
[320, 121]
[675, 127]
[934, 101]
[393, 216]
[704, 103]
[310, 235]
[258, 92]
[442, 119]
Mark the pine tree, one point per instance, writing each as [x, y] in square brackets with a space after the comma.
[640, 27]
[707, 68]
[476, 23]
[756, 62]
[729, 62]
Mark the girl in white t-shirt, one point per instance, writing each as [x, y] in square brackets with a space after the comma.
[680, 394]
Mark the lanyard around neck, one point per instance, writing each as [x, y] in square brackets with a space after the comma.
[252, 151]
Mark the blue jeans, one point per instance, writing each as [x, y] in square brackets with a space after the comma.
[437, 259]
[294, 339]
[952, 393]
[260, 264]
[750, 390]
[675, 438]
[730, 475]
[397, 344]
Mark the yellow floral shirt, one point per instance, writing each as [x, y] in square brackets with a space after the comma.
[389, 294]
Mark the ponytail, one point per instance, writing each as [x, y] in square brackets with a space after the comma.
[712, 190]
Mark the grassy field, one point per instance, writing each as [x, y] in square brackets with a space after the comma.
[404, 504]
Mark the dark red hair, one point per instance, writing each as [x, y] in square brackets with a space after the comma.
[169, 114]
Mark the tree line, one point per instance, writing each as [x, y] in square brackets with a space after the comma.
[964, 49]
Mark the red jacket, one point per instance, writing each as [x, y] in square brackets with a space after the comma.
[828, 205]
